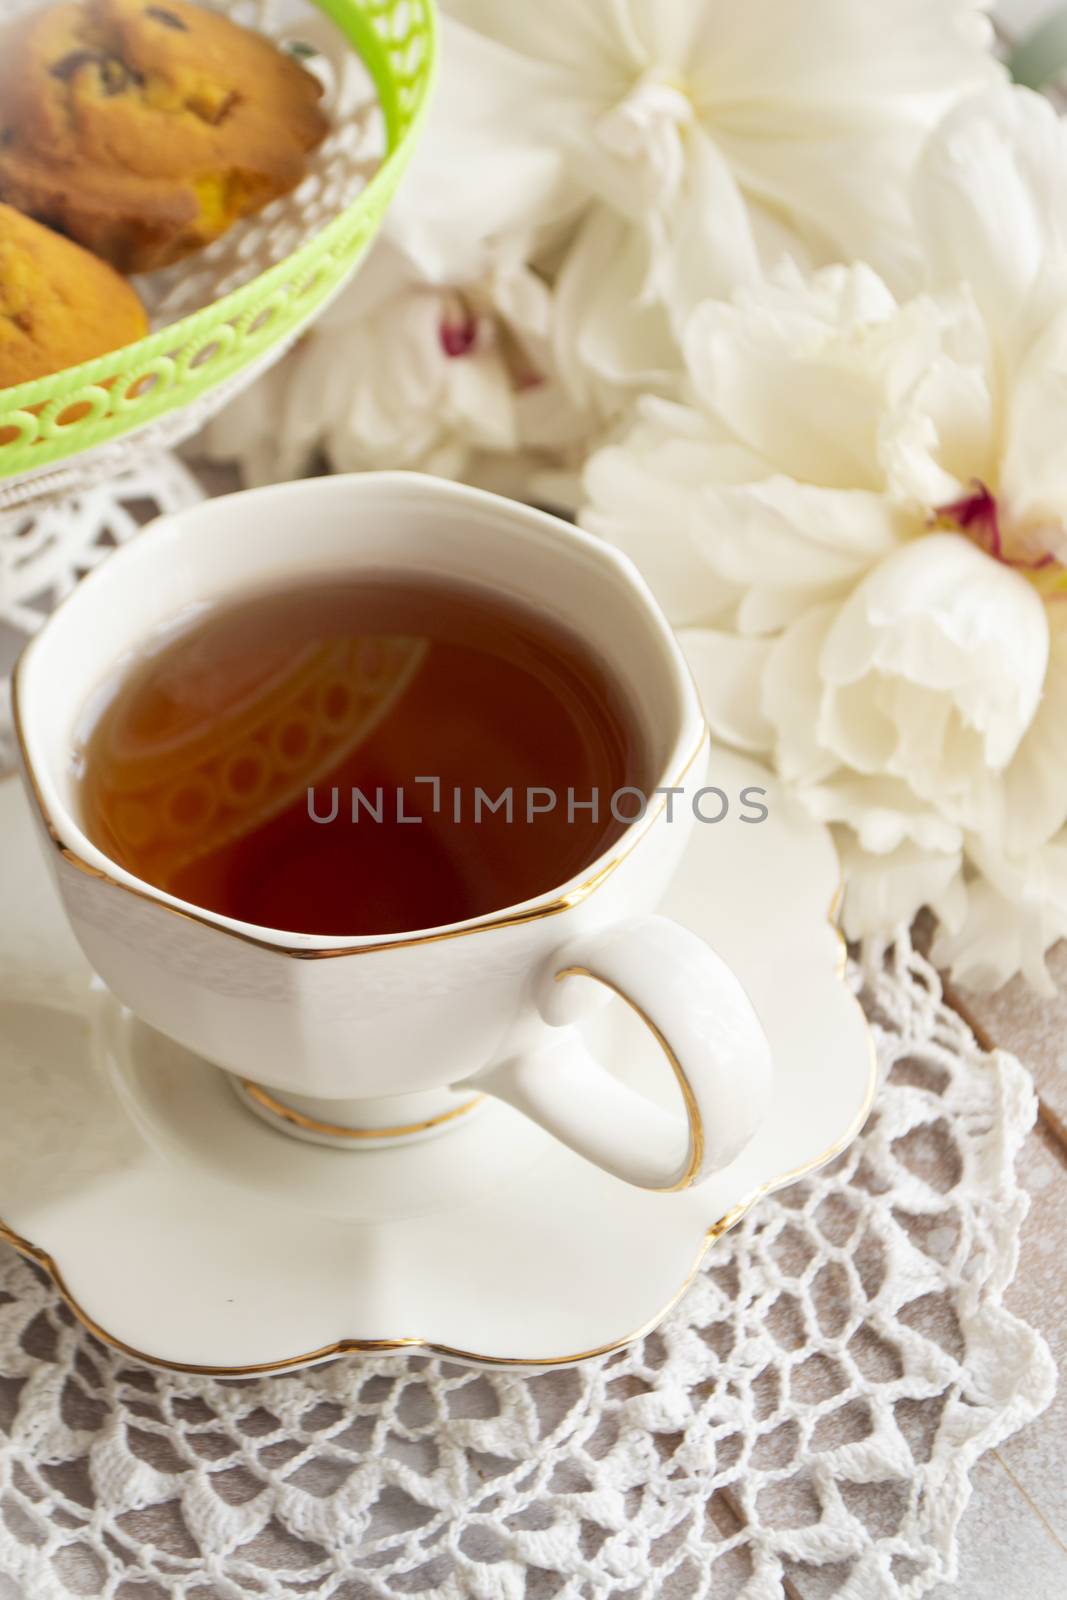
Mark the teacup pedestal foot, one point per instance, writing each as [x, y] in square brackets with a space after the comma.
[358, 1124]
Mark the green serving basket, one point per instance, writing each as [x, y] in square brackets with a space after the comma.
[77, 413]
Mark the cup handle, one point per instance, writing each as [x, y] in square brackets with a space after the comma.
[704, 1023]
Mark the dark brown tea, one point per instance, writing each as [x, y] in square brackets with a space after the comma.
[272, 760]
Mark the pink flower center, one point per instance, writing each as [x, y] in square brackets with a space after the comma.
[978, 516]
[458, 336]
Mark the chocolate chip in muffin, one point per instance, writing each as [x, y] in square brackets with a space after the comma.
[167, 18]
[65, 69]
[114, 75]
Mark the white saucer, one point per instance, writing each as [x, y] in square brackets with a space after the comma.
[189, 1234]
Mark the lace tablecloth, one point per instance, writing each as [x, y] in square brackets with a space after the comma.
[803, 1425]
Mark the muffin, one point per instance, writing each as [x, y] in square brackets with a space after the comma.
[145, 130]
[59, 305]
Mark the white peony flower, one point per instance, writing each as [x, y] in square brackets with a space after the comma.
[710, 137]
[407, 374]
[862, 515]
[439, 356]
[483, 172]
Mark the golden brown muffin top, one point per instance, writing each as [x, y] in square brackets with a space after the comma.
[146, 91]
[59, 305]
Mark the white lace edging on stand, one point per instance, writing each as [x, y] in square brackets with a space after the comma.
[46, 549]
[818, 1400]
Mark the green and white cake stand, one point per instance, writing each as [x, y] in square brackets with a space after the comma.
[85, 453]
[223, 316]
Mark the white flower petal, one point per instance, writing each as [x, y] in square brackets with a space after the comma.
[482, 403]
[792, 694]
[640, 501]
[783, 545]
[710, 245]
[770, 607]
[841, 54]
[824, 129]
[723, 152]
[793, 535]
[246, 432]
[1033, 478]
[837, 171]
[522, 299]
[548, 420]
[787, 368]
[590, 38]
[1015, 912]
[942, 616]
[859, 728]
[677, 32]
[608, 334]
[1035, 785]
[939, 433]
[729, 675]
[883, 813]
[885, 892]
[990, 201]
[637, 158]
[487, 164]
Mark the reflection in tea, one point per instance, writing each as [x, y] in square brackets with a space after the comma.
[195, 762]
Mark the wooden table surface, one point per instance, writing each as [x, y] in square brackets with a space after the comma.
[1013, 1541]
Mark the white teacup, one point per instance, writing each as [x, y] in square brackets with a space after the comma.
[367, 1041]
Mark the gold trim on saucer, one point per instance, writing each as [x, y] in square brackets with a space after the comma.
[337, 1130]
[692, 1110]
[342, 1347]
[353, 1346]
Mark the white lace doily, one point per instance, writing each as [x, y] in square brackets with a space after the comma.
[45, 549]
[808, 1416]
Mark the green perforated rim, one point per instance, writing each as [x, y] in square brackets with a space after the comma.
[51, 419]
